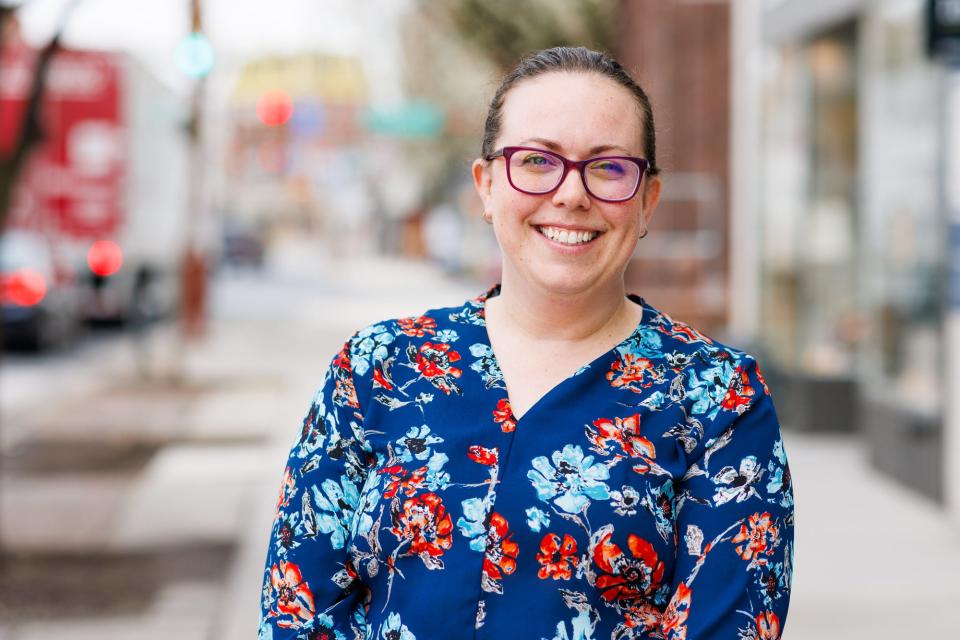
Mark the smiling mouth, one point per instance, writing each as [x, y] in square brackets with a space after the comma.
[564, 236]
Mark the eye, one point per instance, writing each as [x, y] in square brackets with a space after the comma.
[538, 161]
[608, 168]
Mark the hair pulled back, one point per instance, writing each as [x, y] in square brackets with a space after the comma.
[570, 59]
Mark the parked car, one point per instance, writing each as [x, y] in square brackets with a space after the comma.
[41, 301]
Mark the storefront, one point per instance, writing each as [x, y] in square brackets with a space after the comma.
[854, 241]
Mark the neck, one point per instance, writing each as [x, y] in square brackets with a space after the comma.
[543, 316]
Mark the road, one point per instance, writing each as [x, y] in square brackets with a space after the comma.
[139, 478]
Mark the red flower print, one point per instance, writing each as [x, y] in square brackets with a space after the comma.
[418, 327]
[501, 553]
[380, 378]
[503, 415]
[674, 623]
[424, 521]
[402, 480]
[293, 595]
[625, 433]
[628, 371]
[287, 487]
[756, 538]
[483, 455]
[739, 393]
[345, 394]
[762, 380]
[626, 581]
[685, 333]
[557, 559]
[434, 360]
[768, 626]
[642, 616]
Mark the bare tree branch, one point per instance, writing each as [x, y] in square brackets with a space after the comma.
[31, 131]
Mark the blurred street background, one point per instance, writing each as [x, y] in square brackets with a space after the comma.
[200, 200]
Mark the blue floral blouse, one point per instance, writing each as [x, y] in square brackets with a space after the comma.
[645, 496]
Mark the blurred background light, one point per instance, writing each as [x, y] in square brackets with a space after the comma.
[105, 257]
[274, 108]
[195, 55]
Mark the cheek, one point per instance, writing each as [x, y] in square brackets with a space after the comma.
[510, 205]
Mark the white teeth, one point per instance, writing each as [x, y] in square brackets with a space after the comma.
[568, 237]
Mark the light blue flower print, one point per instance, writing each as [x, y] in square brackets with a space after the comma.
[646, 343]
[772, 582]
[537, 519]
[394, 629]
[416, 443]
[447, 335]
[371, 343]
[779, 471]
[659, 503]
[322, 627]
[583, 624]
[332, 518]
[709, 388]
[265, 630]
[486, 365]
[436, 477]
[472, 522]
[654, 401]
[285, 535]
[572, 481]
[369, 499]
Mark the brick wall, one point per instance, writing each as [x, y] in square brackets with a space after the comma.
[679, 51]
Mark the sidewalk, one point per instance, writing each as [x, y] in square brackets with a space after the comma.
[872, 560]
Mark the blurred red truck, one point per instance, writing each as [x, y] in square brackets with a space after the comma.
[107, 188]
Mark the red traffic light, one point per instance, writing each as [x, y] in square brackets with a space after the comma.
[274, 108]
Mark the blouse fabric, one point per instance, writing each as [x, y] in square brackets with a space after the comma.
[646, 496]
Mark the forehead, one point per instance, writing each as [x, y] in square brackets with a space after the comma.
[577, 110]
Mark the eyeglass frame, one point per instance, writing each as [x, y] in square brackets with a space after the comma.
[579, 165]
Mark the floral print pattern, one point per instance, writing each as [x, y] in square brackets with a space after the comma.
[647, 496]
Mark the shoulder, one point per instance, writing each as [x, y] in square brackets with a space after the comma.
[371, 352]
[714, 381]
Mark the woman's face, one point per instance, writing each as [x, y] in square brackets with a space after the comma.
[578, 115]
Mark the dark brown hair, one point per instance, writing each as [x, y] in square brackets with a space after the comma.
[578, 60]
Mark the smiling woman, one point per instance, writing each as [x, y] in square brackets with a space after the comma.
[555, 458]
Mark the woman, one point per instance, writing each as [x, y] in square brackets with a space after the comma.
[554, 458]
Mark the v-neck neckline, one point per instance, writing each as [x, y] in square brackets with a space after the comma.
[494, 291]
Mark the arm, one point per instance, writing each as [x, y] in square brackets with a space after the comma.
[309, 586]
[734, 524]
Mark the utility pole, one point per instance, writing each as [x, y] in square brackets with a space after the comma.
[194, 273]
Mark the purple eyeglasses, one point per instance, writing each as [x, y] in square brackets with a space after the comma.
[537, 172]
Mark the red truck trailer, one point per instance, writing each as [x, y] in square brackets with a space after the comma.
[106, 190]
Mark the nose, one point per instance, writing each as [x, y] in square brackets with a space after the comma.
[572, 193]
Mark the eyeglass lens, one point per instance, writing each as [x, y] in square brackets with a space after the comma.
[542, 172]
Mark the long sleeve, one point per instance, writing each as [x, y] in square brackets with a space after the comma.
[309, 588]
[734, 524]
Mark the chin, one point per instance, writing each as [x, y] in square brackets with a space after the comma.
[566, 283]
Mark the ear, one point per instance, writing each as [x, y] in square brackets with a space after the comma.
[651, 196]
[482, 180]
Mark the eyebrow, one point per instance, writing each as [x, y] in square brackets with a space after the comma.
[553, 146]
